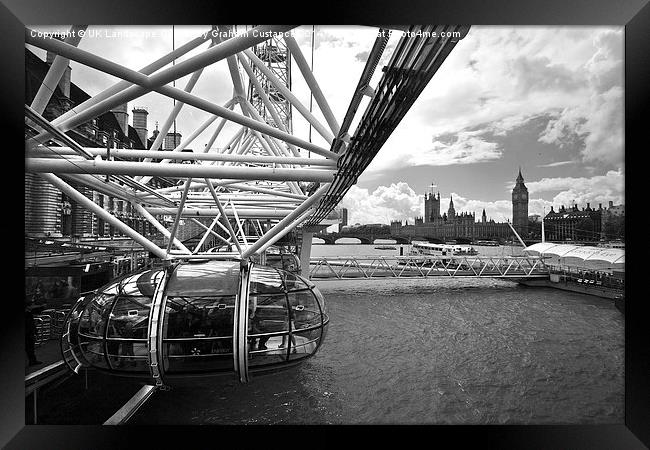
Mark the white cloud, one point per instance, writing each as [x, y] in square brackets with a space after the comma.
[599, 118]
[557, 164]
[468, 148]
[498, 78]
[386, 203]
[400, 202]
[597, 189]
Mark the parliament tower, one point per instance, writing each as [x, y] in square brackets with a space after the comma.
[520, 206]
[431, 208]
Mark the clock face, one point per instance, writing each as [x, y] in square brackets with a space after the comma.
[523, 196]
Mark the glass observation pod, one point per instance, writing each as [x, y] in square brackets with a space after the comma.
[196, 319]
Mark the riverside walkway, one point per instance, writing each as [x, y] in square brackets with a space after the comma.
[350, 267]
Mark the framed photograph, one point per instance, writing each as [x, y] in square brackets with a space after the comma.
[402, 220]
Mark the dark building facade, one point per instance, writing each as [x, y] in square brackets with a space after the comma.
[431, 208]
[574, 224]
[520, 206]
[344, 217]
[461, 225]
[171, 141]
[452, 225]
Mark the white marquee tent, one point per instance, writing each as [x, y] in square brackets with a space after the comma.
[583, 257]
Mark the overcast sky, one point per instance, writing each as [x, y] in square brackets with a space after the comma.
[546, 99]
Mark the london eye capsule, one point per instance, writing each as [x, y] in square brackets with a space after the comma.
[196, 319]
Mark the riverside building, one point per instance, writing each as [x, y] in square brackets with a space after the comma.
[463, 225]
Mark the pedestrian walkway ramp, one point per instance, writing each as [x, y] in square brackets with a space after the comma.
[351, 267]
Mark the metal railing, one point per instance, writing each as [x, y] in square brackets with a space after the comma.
[43, 327]
[349, 267]
[588, 277]
[49, 324]
[36, 380]
[127, 411]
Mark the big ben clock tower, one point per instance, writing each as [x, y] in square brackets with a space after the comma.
[520, 206]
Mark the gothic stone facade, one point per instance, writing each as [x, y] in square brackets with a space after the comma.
[452, 225]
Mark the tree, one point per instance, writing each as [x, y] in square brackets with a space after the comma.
[535, 229]
[585, 230]
[614, 228]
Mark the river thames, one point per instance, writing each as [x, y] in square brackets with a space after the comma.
[431, 351]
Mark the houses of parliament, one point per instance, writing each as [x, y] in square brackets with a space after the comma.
[453, 225]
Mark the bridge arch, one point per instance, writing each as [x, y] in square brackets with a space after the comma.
[361, 239]
[328, 240]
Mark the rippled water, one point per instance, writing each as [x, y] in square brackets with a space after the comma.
[432, 351]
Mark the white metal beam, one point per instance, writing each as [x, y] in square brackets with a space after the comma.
[121, 85]
[167, 156]
[277, 83]
[56, 71]
[216, 133]
[223, 214]
[265, 99]
[313, 85]
[152, 220]
[210, 230]
[205, 235]
[144, 83]
[172, 235]
[156, 145]
[245, 213]
[101, 212]
[175, 111]
[286, 221]
[255, 188]
[176, 170]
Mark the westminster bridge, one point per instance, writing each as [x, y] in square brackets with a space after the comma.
[370, 238]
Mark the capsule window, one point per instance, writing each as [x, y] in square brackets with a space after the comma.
[187, 317]
[294, 283]
[93, 351]
[268, 314]
[265, 280]
[110, 328]
[305, 343]
[127, 355]
[305, 310]
[198, 356]
[93, 319]
[130, 317]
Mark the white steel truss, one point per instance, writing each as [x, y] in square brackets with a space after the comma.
[262, 184]
[434, 266]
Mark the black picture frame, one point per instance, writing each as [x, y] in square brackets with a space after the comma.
[633, 14]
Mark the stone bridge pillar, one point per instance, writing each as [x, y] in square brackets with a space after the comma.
[305, 248]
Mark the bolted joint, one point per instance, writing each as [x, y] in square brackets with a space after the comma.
[367, 91]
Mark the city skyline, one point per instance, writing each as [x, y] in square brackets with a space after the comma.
[546, 99]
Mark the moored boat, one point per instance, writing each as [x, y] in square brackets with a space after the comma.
[487, 243]
[464, 250]
[426, 250]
